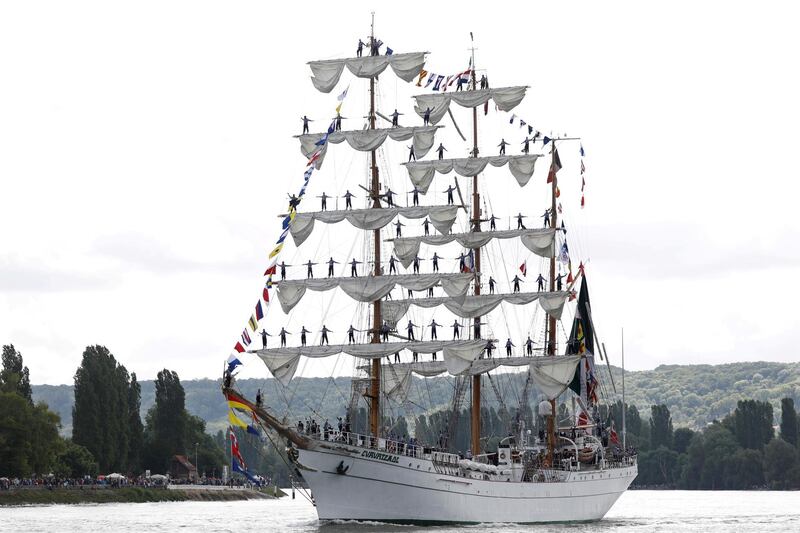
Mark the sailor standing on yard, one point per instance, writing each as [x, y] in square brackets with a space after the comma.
[324, 198]
[360, 49]
[502, 146]
[516, 281]
[410, 330]
[540, 283]
[348, 196]
[520, 225]
[283, 270]
[325, 332]
[310, 269]
[426, 117]
[411, 153]
[305, 120]
[456, 329]
[509, 345]
[415, 196]
[492, 220]
[433, 325]
[353, 271]
[283, 334]
[303, 332]
[435, 259]
[331, 262]
[392, 265]
[449, 192]
[264, 336]
[441, 150]
[529, 345]
[351, 338]
[395, 118]
[425, 225]
[491, 285]
[398, 225]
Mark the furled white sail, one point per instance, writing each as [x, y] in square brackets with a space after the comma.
[554, 374]
[458, 355]
[481, 366]
[326, 73]
[421, 172]
[395, 382]
[367, 140]
[441, 216]
[371, 288]
[474, 306]
[506, 99]
[538, 241]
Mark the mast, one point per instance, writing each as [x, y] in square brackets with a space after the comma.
[624, 447]
[475, 425]
[551, 322]
[375, 374]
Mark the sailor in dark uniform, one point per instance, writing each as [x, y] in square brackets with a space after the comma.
[546, 217]
[520, 225]
[492, 220]
[516, 281]
[558, 281]
[491, 285]
[435, 260]
[416, 264]
[353, 271]
[360, 49]
[433, 325]
[398, 225]
[415, 196]
[529, 345]
[283, 270]
[325, 332]
[305, 120]
[331, 262]
[347, 199]
[392, 265]
[441, 150]
[351, 337]
[411, 153]
[509, 345]
[283, 334]
[456, 329]
[395, 118]
[426, 117]
[449, 192]
[425, 225]
[303, 332]
[502, 146]
[526, 145]
[324, 201]
[540, 283]
[389, 195]
[410, 330]
[310, 269]
[264, 336]
[484, 82]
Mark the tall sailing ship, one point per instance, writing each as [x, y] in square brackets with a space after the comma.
[571, 466]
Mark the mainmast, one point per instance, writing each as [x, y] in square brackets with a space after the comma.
[551, 321]
[375, 374]
[475, 425]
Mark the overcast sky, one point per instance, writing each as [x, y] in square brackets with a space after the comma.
[146, 150]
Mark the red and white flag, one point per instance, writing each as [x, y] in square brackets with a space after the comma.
[524, 269]
[555, 166]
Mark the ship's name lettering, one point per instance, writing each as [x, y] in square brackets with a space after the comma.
[380, 456]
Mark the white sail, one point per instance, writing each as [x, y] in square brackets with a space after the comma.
[554, 374]
[421, 172]
[474, 306]
[538, 241]
[441, 217]
[369, 139]
[506, 99]
[326, 73]
[458, 355]
[372, 288]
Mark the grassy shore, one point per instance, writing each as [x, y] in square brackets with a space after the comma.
[46, 496]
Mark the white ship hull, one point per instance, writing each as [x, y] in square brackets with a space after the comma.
[396, 488]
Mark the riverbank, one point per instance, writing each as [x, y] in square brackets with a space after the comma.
[176, 493]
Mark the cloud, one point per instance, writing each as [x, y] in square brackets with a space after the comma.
[34, 277]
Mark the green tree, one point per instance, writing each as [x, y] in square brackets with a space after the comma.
[752, 423]
[780, 465]
[76, 461]
[135, 427]
[681, 439]
[659, 467]
[14, 376]
[718, 445]
[100, 416]
[165, 434]
[788, 421]
[29, 440]
[660, 427]
[744, 470]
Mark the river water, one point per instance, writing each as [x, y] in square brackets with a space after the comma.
[636, 511]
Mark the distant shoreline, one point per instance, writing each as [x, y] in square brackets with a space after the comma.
[76, 495]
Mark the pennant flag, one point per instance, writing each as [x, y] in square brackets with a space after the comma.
[253, 431]
[583, 168]
[570, 279]
[583, 203]
[530, 130]
[430, 80]
[233, 362]
[259, 311]
[271, 270]
[582, 152]
[422, 74]
[563, 227]
[389, 51]
[486, 108]
[560, 211]
[545, 140]
[512, 119]
[246, 337]
[524, 269]
[558, 192]
[555, 166]
[564, 255]
[583, 184]
[265, 294]
[521, 123]
[239, 348]
[438, 83]
[253, 323]
[234, 420]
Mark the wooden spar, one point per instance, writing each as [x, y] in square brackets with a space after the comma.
[475, 424]
[375, 373]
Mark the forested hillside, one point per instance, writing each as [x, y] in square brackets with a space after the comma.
[694, 394]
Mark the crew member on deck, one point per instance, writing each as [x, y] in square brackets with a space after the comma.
[546, 217]
[305, 120]
[558, 281]
[516, 282]
[385, 329]
[456, 329]
[492, 220]
[526, 145]
[489, 348]
[392, 265]
[283, 270]
[484, 82]
[389, 195]
[396, 357]
[324, 198]
[426, 225]
[416, 264]
[435, 259]
[359, 51]
[411, 153]
[520, 225]
[426, 117]
[491, 285]
[415, 196]
[540, 283]
[441, 150]
[398, 225]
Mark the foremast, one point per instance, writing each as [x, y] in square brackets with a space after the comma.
[377, 322]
